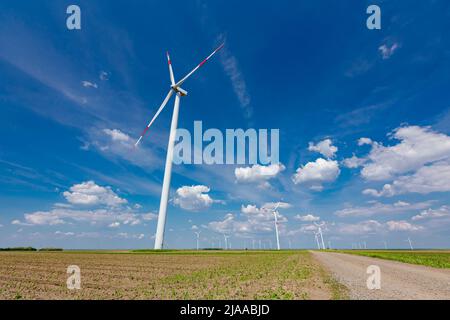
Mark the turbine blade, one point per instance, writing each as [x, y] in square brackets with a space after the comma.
[169, 95]
[172, 78]
[179, 83]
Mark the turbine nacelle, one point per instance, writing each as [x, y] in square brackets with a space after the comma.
[179, 90]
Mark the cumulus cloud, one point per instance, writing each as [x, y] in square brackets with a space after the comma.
[402, 225]
[431, 178]
[88, 84]
[265, 209]
[107, 209]
[253, 220]
[149, 216]
[117, 135]
[316, 173]
[193, 198]
[442, 212]
[125, 235]
[258, 174]
[114, 225]
[324, 147]
[59, 216]
[66, 234]
[363, 141]
[89, 193]
[387, 51]
[307, 218]
[418, 146]
[378, 208]
[353, 162]
[362, 227]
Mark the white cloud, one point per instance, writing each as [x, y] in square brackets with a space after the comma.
[387, 51]
[194, 227]
[363, 141]
[307, 218]
[402, 225]
[442, 212]
[117, 135]
[324, 147]
[66, 234]
[353, 162]
[418, 146]
[18, 223]
[258, 174]
[62, 216]
[362, 227]
[149, 216]
[317, 172]
[88, 84]
[432, 178]
[253, 220]
[114, 225]
[126, 235]
[231, 68]
[103, 75]
[193, 198]
[266, 208]
[377, 208]
[89, 193]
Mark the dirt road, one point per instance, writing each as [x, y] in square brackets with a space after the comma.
[398, 280]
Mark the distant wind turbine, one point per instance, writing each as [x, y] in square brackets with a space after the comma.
[175, 88]
[198, 238]
[276, 226]
[319, 226]
[317, 240]
[226, 240]
[410, 244]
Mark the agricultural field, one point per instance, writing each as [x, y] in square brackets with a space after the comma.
[167, 275]
[436, 259]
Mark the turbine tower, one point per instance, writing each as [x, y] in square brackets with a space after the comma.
[198, 238]
[319, 227]
[410, 244]
[317, 239]
[226, 240]
[175, 88]
[276, 224]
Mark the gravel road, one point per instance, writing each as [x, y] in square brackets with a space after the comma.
[399, 281]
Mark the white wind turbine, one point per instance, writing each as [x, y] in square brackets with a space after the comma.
[198, 238]
[319, 227]
[317, 240]
[226, 240]
[276, 224]
[410, 244]
[175, 88]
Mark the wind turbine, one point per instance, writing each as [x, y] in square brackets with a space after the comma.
[319, 226]
[175, 88]
[226, 240]
[198, 237]
[276, 225]
[317, 240]
[410, 244]
[385, 245]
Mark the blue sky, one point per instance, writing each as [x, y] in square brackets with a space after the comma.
[364, 120]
